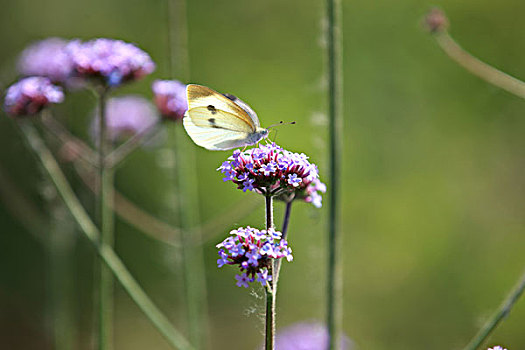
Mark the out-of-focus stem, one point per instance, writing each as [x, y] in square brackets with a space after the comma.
[192, 257]
[106, 303]
[499, 315]
[61, 133]
[479, 68]
[124, 150]
[105, 252]
[61, 272]
[271, 289]
[335, 114]
[187, 186]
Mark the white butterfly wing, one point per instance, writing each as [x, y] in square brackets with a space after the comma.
[215, 139]
[202, 96]
[216, 122]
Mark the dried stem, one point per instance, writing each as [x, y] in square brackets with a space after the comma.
[335, 114]
[105, 252]
[499, 315]
[479, 68]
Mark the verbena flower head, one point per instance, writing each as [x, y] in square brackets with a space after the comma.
[30, 95]
[46, 58]
[111, 62]
[170, 98]
[496, 348]
[306, 336]
[270, 169]
[253, 251]
[125, 116]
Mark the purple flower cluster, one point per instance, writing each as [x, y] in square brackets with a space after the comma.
[109, 61]
[47, 58]
[126, 116]
[496, 348]
[30, 95]
[253, 251]
[307, 336]
[272, 170]
[170, 98]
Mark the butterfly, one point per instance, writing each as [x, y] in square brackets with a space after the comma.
[220, 121]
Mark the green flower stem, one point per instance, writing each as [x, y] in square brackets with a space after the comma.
[107, 237]
[479, 68]
[105, 252]
[76, 145]
[335, 114]
[61, 274]
[499, 315]
[271, 289]
[187, 187]
[192, 256]
[284, 231]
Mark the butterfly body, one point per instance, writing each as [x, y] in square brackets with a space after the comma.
[220, 122]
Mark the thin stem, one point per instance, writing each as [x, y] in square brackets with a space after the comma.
[271, 289]
[499, 315]
[106, 304]
[61, 274]
[286, 219]
[192, 256]
[106, 253]
[178, 53]
[335, 114]
[270, 319]
[479, 68]
[187, 186]
[68, 140]
[284, 232]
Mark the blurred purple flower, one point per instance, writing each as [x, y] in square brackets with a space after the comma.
[170, 98]
[30, 95]
[126, 116]
[109, 61]
[306, 336]
[496, 348]
[274, 170]
[46, 58]
[253, 250]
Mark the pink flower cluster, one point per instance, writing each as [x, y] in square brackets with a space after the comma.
[30, 95]
[253, 251]
[272, 170]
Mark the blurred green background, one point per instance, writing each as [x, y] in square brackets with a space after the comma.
[433, 165]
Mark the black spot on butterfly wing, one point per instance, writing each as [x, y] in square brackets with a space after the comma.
[213, 123]
[212, 109]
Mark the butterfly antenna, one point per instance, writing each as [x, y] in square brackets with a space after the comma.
[280, 123]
